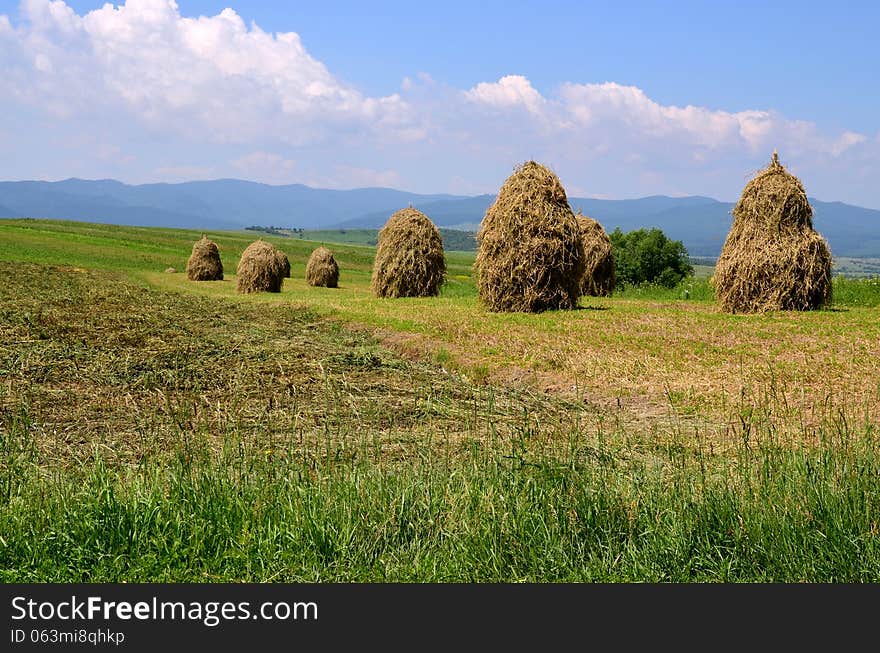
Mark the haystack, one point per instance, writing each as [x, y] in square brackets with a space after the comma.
[204, 263]
[530, 256]
[773, 259]
[599, 278]
[409, 257]
[285, 263]
[322, 269]
[260, 269]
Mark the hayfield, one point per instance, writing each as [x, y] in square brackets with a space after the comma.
[155, 428]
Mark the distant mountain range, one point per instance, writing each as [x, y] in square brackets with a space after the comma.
[700, 222]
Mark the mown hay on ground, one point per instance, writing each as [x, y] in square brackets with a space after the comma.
[285, 263]
[322, 269]
[409, 257]
[204, 263]
[530, 255]
[260, 269]
[598, 279]
[773, 259]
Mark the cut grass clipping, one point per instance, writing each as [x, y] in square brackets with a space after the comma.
[530, 256]
[204, 263]
[773, 259]
[285, 264]
[322, 269]
[409, 257]
[260, 269]
[599, 278]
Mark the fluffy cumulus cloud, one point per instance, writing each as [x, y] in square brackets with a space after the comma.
[507, 92]
[206, 77]
[141, 90]
[612, 113]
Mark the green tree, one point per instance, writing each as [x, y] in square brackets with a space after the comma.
[648, 256]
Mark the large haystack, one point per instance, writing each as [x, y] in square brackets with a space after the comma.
[773, 259]
[530, 256]
[204, 263]
[260, 269]
[285, 263]
[322, 269]
[409, 257]
[599, 278]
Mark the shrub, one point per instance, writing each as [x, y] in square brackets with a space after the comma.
[648, 256]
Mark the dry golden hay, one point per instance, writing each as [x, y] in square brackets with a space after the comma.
[285, 263]
[260, 269]
[170, 271]
[409, 257]
[530, 256]
[204, 263]
[599, 278]
[322, 269]
[773, 259]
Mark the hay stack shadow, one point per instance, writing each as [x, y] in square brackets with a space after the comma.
[530, 256]
[773, 259]
[260, 269]
[204, 263]
[409, 257]
[599, 276]
[322, 269]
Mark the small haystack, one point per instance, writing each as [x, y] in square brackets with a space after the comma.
[530, 256]
[170, 271]
[285, 263]
[409, 257]
[322, 269]
[773, 259]
[260, 269]
[598, 279]
[204, 263]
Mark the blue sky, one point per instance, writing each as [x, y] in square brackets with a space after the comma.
[621, 99]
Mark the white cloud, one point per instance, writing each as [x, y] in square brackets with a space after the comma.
[509, 91]
[610, 104]
[206, 77]
[847, 140]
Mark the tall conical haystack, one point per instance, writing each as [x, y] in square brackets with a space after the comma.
[409, 257]
[599, 277]
[322, 269]
[260, 269]
[530, 256]
[773, 259]
[204, 263]
[285, 263]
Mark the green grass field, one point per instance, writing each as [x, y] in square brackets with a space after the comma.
[155, 429]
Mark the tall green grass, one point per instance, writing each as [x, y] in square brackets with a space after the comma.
[856, 292]
[846, 291]
[688, 289]
[503, 512]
